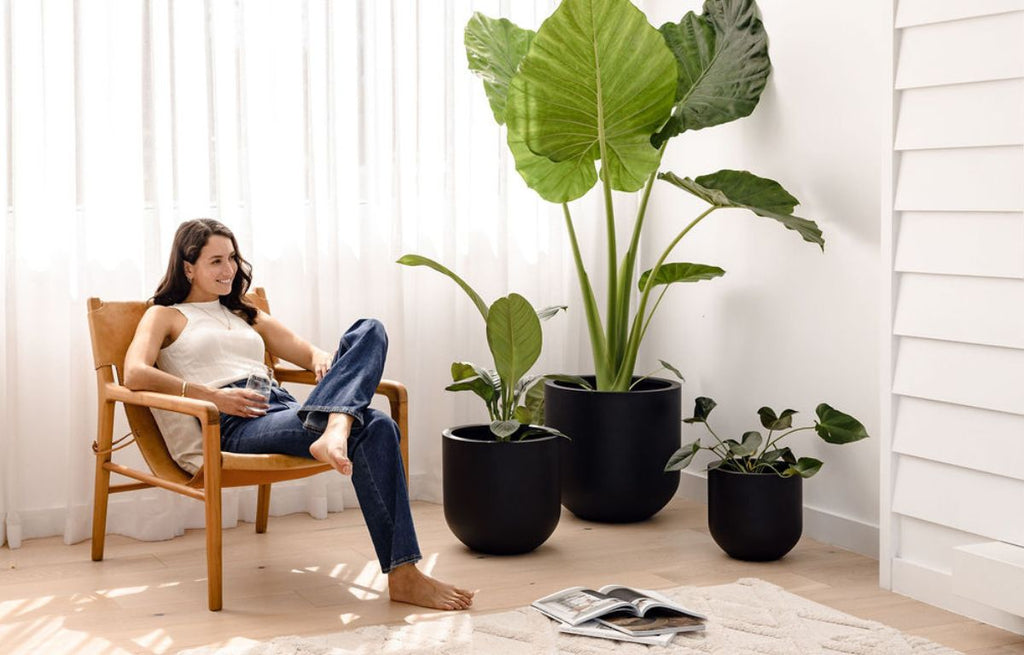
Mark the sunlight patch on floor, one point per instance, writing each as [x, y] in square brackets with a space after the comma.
[336, 571]
[428, 563]
[369, 583]
[12, 608]
[125, 591]
[157, 641]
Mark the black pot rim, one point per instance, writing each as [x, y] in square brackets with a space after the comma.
[751, 474]
[664, 384]
[449, 433]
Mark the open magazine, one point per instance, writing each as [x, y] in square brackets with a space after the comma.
[630, 611]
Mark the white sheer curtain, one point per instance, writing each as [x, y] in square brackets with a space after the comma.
[332, 137]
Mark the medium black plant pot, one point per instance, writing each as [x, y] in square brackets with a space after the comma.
[756, 517]
[613, 467]
[500, 498]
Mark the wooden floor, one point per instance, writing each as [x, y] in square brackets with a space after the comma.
[312, 577]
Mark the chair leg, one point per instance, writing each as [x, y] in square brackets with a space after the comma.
[262, 508]
[101, 489]
[214, 560]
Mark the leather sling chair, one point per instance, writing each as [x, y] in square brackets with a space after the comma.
[112, 326]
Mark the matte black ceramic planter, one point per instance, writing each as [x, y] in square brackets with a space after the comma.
[500, 498]
[613, 467]
[755, 517]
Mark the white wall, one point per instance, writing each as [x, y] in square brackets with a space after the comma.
[788, 326]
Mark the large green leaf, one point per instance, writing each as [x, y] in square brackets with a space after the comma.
[836, 427]
[597, 81]
[681, 272]
[514, 336]
[418, 260]
[554, 181]
[494, 48]
[744, 190]
[723, 65]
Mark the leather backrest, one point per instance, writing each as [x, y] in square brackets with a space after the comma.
[112, 327]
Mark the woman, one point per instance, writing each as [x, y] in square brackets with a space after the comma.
[201, 339]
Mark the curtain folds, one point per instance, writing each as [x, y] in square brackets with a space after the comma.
[332, 137]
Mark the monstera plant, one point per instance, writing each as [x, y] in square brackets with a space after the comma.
[593, 98]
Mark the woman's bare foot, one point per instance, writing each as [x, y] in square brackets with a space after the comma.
[407, 584]
[332, 446]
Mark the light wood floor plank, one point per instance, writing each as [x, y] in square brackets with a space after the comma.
[312, 577]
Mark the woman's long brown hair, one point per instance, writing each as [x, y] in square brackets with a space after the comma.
[189, 241]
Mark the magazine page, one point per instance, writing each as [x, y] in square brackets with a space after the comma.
[638, 600]
[595, 629]
[656, 624]
[645, 600]
[576, 605]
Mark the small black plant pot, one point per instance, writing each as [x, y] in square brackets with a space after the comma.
[756, 517]
[613, 467]
[500, 498]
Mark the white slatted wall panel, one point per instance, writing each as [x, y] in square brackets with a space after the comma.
[954, 454]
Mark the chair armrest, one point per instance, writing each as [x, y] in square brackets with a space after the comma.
[298, 375]
[205, 411]
[392, 390]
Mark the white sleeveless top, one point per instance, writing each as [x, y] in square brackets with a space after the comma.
[215, 348]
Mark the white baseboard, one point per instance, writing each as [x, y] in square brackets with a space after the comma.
[991, 573]
[936, 588]
[819, 524]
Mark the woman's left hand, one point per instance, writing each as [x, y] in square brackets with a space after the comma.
[321, 362]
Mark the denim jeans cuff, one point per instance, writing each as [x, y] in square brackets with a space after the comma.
[403, 560]
[315, 418]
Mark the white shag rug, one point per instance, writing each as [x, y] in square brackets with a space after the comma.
[746, 617]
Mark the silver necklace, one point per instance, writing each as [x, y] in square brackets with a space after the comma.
[226, 323]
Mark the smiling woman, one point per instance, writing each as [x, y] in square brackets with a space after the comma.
[176, 347]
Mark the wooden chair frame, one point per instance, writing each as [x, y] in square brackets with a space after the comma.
[112, 326]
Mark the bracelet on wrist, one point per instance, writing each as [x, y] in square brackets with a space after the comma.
[184, 387]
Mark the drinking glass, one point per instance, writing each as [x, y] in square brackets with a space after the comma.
[260, 383]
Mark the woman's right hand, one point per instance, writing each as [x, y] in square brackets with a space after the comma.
[237, 401]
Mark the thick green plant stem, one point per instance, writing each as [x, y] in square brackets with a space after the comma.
[629, 262]
[613, 331]
[624, 373]
[598, 344]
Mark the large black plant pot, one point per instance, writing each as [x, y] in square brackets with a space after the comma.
[500, 498]
[613, 467]
[755, 517]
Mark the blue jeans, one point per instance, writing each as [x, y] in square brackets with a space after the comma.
[377, 472]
